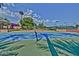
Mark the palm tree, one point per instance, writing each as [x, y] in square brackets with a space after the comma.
[21, 13]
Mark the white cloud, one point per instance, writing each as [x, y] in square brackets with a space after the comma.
[4, 7]
[28, 12]
[7, 12]
[35, 15]
[47, 20]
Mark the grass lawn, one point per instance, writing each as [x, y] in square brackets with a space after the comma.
[63, 46]
[30, 49]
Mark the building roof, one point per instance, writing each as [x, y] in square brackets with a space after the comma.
[3, 21]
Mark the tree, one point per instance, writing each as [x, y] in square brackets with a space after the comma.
[41, 25]
[77, 26]
[27, 23]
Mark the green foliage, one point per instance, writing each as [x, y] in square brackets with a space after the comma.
[27, 23]
[41, 25]
[7, 50]
[8, 53]
[66, 47]
[69, 47]
[42, 46]
[15, 48]
[77, 26]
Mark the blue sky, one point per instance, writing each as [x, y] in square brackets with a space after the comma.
[65, 14]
